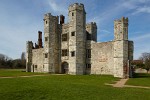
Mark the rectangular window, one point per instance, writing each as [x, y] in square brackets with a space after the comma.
[64, 52]
[64, 37]
[46, 55]
[88, 66]
[88, 53]
[72, 14]
[35, 66]
[46, 38]
[72, 53]
[72, 33]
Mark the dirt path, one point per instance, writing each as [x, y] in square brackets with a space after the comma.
[22, 76]
[28, 76]
[121, 84]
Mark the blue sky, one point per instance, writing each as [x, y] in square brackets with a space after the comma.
[20, 20]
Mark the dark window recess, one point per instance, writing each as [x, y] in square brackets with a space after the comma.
[46, 22]
[35, 66]
[88, 66]
[88, 53]
[46, 55]
[88, 36]
[64, 37]
[72, 33]
[72, 53]
[72, 14]
[65, 52]
[46, 38]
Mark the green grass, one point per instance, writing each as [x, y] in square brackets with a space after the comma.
[16, 72]
[66, 87]
[141, 79]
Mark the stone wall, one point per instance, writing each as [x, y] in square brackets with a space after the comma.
[38, 60]
[112, 57]
[102, 58]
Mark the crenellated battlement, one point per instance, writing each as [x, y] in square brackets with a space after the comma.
[76, 6]
[29, 44]
[91, 24]
[122, 20]
[49, 16]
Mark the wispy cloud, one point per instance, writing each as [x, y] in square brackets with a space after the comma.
[141, 44]
[57, 7]
[144, 9]
[105, 31]
[141, 37]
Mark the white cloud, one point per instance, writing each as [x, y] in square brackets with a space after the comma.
[57, 7]
[105, 31]
[144, 9]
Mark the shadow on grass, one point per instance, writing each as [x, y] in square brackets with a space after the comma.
[141, 75]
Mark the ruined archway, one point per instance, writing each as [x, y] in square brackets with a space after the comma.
[64, 68]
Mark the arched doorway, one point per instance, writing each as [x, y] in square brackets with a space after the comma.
[64, 68]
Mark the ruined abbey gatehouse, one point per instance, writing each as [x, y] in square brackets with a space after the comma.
[72, 48]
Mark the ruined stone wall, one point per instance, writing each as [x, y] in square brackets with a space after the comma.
[38, 60]
[102, 58]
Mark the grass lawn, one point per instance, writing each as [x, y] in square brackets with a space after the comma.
[16, 72]
[141, 79]
[67, 87]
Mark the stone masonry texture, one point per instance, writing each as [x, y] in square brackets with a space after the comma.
[72, 47]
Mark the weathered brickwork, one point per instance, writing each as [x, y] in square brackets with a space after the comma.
[72, 48]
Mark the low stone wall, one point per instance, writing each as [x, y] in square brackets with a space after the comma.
[140, 70]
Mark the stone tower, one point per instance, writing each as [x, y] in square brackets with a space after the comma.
[52, 44]
[77, 36]
[121, 48]
[29, 55]
[91, 33]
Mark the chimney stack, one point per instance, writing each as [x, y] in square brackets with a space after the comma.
[40, 39]
[62, 19]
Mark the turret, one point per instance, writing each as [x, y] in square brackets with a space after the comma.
[62, 19]
[77, 38]
[121, 48]
[91, 33]
[121, 29]
[40, 39]
[29, 46]
[52, 44]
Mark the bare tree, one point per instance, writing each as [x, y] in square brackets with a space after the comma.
[146, 59]
[23, 59]
[23, 56]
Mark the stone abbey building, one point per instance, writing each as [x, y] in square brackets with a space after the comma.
[72, 48]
